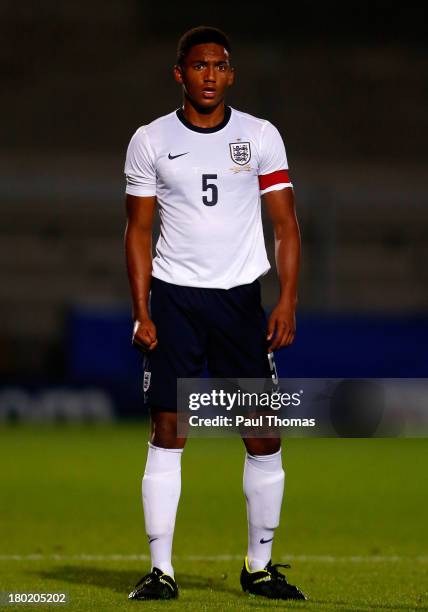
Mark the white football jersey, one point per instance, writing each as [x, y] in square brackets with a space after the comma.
[207, 182]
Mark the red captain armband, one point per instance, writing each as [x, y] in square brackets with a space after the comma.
[274, 178]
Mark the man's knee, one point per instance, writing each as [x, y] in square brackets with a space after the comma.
[262, 446]
[164, 430]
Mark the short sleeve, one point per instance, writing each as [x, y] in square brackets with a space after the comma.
[273, 167]
[140, 170]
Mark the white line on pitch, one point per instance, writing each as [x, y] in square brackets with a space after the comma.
[214, 558]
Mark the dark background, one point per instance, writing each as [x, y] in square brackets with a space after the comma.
[347, 87]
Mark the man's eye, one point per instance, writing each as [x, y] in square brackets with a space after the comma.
[222, 67]
[198, 66]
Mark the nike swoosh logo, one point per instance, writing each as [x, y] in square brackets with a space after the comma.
[153, 539]
[262, 541]
[179, 155]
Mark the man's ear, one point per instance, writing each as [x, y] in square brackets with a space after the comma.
[178, 74]
[231, 76]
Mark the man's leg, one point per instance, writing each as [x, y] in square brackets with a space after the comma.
[263, 489]
[179, 354]
[238, 349]
[161, 488]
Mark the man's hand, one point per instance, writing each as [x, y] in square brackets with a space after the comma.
[144, 335]
[281, 326]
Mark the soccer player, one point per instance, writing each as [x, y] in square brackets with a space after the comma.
[206, 165]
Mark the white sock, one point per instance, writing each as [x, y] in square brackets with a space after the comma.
[161, 489]
[263, 488]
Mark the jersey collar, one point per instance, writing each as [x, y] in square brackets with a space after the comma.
[210, 130]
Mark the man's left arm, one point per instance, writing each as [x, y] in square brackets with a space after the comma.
[282, 321]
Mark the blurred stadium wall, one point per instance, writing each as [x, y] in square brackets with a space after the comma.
[347, 88]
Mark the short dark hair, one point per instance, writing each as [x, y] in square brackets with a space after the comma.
[198, 36]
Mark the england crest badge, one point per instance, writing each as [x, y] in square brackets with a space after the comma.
[240, 152]
[146, 380]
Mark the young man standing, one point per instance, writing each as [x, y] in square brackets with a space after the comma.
[206, 166]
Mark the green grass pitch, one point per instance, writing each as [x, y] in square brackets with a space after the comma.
[354, 520]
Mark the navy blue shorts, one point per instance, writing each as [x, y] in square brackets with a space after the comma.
[221, 330]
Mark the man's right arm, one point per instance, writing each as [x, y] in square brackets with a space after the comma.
[138, 248]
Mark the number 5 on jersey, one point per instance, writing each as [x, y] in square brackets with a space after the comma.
[211, 187]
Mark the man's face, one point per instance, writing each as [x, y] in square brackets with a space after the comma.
[206, 74]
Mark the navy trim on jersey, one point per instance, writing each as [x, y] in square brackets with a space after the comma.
[201, 130]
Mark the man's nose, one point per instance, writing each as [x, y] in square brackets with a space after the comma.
[209, 74]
